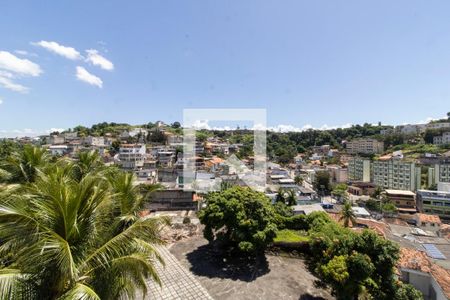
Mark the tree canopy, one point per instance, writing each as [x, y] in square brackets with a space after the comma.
[240, 218]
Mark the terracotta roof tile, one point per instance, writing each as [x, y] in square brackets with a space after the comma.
[419, 261]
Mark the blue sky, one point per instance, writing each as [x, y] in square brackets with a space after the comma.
[307, 62]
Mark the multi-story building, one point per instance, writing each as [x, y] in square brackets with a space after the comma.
[55, 139]
[365, 146]
[359, 169]
[405, 201]
[442, 171]
[434, 203]
[441, 125]
[166, 158]
[132, 156]
[96, 141]
[443, 139]
[396, 174]
[338, 174]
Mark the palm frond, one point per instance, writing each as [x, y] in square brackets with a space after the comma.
[80, 292]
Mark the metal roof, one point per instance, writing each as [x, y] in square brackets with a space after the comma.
[433, 252]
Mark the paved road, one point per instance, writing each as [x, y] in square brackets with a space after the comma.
[178, 283]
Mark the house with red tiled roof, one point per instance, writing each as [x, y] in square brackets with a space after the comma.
[428, 222]
[417, 269]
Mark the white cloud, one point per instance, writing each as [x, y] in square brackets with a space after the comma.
[25, 53]
[7, 83]
[67, 52]
[1, 101]
[97, 60]
[84, 75]
[20, 66]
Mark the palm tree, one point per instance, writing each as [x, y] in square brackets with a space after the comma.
[280, 197]
[24, 166]
[129, 199]
[291, 198]
[88, 161]
[347, 214]
[58, 240]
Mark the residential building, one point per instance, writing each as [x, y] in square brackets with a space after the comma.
[428, 222]
[405, 201]
[166, 158]
[440, 125]
[338, 174]
[174, 140]
[70, 136]
[411, 128]
[396, 174]
[429, 278]
[360, 188]
[149, 176]
[173, 199]
[58, 150]
[359, 169]
[96, 141]
[443, 139]
[132, 156]
[306, 209]
[434, 203]
[360, 212]
[365, 146]
[442, 171]
[55, 139]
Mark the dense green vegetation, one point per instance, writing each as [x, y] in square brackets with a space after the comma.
[239, 219]
[290, 236]
[71, 229]
[352, 264]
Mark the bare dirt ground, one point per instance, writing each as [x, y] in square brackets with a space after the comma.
[274, 277]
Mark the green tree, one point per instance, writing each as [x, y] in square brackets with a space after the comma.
[347, 215]
[298, 180]
[408, 292]
[347, 274]
[175, 125]
[322, 182]
[240, 218]
[61, 238]
[281, 196]
[88, 162]
[291, 198]
[340, 190]
[24, 166]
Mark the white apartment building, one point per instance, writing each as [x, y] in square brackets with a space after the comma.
[365, 146]
[443, 139]
[359, 169]
[166, 158]
[396, 174]
[411, 128]
[438, 125]
[97, 141]
[442, 172]
[132, 156]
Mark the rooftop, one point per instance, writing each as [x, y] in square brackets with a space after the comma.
[419, 261]
[400, 192]
[425, 218]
